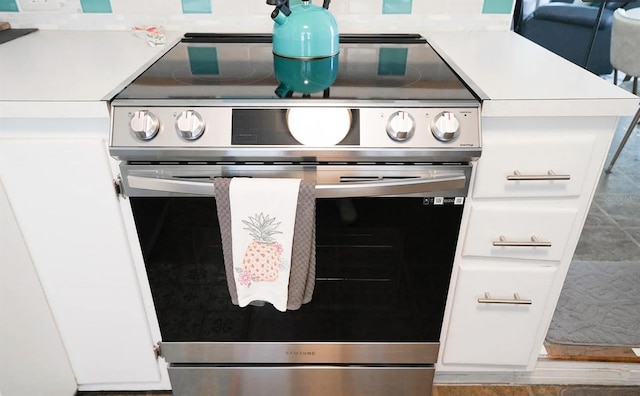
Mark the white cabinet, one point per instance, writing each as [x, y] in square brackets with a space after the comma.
[517, 238]
[496, 312]
[34, 361]
[61, 190]
[543, 164]
[528, 231]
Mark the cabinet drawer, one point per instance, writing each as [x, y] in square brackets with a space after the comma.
[540, 166]
[500, 332]
[519, 227]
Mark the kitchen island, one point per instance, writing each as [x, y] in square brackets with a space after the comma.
[547, 119]
[540, 113]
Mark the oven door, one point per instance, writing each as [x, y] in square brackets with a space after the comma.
[385, 242]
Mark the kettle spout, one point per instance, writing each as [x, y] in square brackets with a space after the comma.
[279, 16]
[281, 12]
[284, 91]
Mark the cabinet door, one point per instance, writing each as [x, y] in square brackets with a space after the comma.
[63, 197]
[498, 332]
[33, 361]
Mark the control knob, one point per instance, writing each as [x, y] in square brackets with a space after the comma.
[400, 126]
[445, 126]
[144, 125]
[190, 125]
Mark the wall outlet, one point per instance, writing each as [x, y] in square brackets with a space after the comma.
[39, 5]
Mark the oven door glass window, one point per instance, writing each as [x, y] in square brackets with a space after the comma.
[383, 267]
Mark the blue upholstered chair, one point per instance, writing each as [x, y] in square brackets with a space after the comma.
[625, 56]
[566, 29]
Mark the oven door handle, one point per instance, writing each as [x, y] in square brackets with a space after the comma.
[341, 190]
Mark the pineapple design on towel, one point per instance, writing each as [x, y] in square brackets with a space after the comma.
[262, 227]
[262, 261]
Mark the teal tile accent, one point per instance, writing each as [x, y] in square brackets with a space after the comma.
[96, 6]
[203, 60]
[8, 6]
[396, 6]
[392, 61]
[196, 6]
[497, 6]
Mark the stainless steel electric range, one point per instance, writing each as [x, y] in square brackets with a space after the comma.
[388, 133]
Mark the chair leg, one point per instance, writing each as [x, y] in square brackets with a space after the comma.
[632, 126]
[635, 86]
[615, 76]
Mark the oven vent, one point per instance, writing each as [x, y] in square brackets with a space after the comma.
[366, 179]
[303, 163]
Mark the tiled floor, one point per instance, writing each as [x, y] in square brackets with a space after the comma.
[611, 231]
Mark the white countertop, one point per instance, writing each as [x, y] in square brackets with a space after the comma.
[51, 73]
[71, 73]
[523, 79]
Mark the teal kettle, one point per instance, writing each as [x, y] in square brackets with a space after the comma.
[303, 30]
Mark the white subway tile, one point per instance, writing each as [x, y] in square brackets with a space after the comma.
[365, 7]
[353, 16]
[235, 7]
[146, 7]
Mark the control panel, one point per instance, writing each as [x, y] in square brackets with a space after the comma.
[379, 127]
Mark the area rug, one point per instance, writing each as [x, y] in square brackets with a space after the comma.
[599, 305]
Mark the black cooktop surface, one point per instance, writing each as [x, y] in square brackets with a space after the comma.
[368, 67]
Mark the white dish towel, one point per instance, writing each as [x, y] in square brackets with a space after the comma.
[263, 215]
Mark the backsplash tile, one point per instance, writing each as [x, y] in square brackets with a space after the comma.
[497, 7]
[8, 6]
[353, 16]
[396, 6]
[244, 7]
[96, 6]
[363, 7]
[196, 6]
[449, 8]
[146, 7]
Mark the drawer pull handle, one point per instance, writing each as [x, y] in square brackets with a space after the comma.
[551, 175]
[535, 242]
[515, 300]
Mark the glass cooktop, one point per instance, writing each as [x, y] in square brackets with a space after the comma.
[369, 67]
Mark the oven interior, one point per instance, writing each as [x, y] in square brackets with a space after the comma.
[383, 270]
